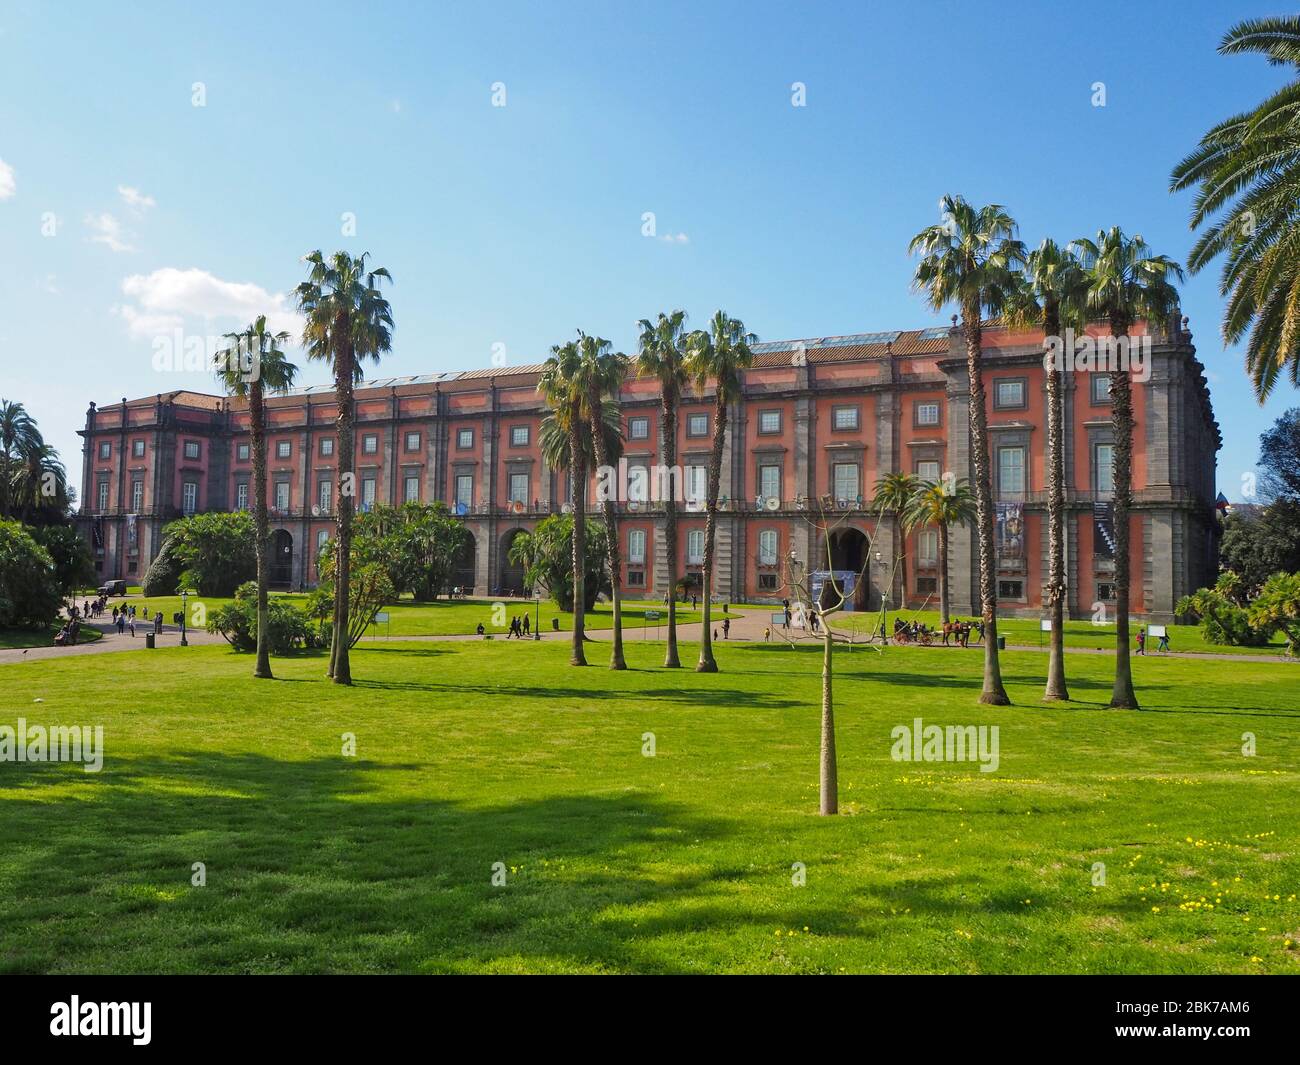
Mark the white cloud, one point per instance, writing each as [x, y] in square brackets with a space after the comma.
[105, 229]
[675, 238]
[135, 199]
[167, 299]
[8, 183]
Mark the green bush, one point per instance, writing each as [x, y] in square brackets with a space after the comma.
[1223, 616]
[288, 629]
[217, 552]
[164, 573]
[29, 586]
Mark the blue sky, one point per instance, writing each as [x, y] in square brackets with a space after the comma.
[516, 225]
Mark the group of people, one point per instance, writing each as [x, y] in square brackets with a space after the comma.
[519, 627]
[90, 608]
[67, 636]
[1163, 645]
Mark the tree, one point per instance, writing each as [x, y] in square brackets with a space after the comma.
[1260, 541]
[1052, 296]
[562, 386]
[29, 589]
[604, 370]
[252, 366]
[1247, 174]
[74, 568]
[969, 259]
[217, 551]
[418, 544]
[720, 354]
[1125, 282]
[1279, 458]
[33, 482]
[894, 492]
[347, 322]
[662, 358]
[1222, 612]
[943, 504]
[245, 625]
[1278, 606]
[369, 590]
[547, 557]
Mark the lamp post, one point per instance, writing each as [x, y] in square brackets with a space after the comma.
[884, 601]
[184, 614]
[537, 613]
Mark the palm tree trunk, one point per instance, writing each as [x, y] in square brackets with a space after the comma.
[341, 666]
[943, 571]
[262, 527]
[707, 663]
[829, 778]
[671, 661]
[616, 660]
[578, 496]
[993, 693]
[1122, 695]
[1056, 688]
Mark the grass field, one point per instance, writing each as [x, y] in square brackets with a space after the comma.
[11, 638]
[470, 754]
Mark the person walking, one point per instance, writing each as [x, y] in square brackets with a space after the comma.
[131, 625]
[726, 628]
[526, 625]
[1163, 645]
[767, 635]
[1142, 641]
[157, 623]
[120, 621]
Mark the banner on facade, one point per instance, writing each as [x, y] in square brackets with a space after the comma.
[1103, 530]
[845, 580]
[1010, 531]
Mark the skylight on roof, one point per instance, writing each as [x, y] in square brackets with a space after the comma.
[938, 332]
[859, 340]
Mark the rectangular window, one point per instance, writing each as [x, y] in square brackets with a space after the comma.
[1011, 589]
[519, 488]
[191, 449]
[368, 494]
[636, 578]
[243, 452]
[465, 439]
[845, 418]
[1100, 390]
[326, 447]
[282, 496]
[695, 547]
[1009, 393]
[927, 585]
[189, 497]
[697, 425]
[927, 414]
[767, 582]
[636, 546]
[927, 547]
[769, 482]
[137, 449]
[1011, 471]
[105, 449]
[846, 480]
[769, 421]
[928, 470]
[696, 483]
[241, 495]
[1105, 592]
[322, 538]
[137, 496]
[101, 497]
[465, 490]
[638, 428]
[325, 496]
[370, 444]
[519, 436]
[767, 547]
[283, 449]
[412, 441]
[1104, 461]
[411, 490]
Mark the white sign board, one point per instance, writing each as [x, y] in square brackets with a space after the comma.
[1045, 625]
[381, 617]
[1156, 630]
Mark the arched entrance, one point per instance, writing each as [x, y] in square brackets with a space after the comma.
[848, 555]
[281, 559]
[510, 576]
[464, 570]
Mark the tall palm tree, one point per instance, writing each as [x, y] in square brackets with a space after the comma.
[563, 387]
[252, 366]
[604, 370]
[720, 354]
[969, 259]
[662, 357]
[1247, 171]
[1052, 296]
[20, 441]
[942, 504]
[1125, 283]
[347, 322]
[894, 492]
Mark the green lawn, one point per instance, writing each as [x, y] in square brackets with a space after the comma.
[470, 754]
[11, 638]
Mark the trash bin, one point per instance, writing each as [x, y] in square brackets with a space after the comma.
[148, 640]
[1002, 643]
[555, 624]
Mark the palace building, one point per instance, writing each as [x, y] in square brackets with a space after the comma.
[820, 421]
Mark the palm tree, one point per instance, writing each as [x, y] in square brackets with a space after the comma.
[969, 259]
[720, 355]
[564, 389]
[942, 504]
[1052, 297]
[1247, 168]
[662, 357]
[347, 322]
[252, 366]
[894, 491]
[1125, 282]
[20, 441]
[604, 371]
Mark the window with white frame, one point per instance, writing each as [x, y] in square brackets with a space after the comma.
[519, 488]
[845, 418]
[769, 421]
[326, 447]
[767, 547]
[696, 482]
[105, 449]
[190, 497]
[191, 449]
[325, 496]
[1009, 392]
[695, 547]
[1100, 389]
[465, 490]
[1011, 471]
[241, 495]
[927, 413]
[101, 496]
[697, 425]
[846, 480]
[137, 449]
[928, 470]
[242, 452]
[636, 546]
[519, 436]
[927, 547]
[465, 439]
[370, 444]
[638, 428]
[322, 538]
[368, 494]
[282, 496]
[411, 489]
[137, 496]
[1104, 460]
[413, 441]
[769, 482]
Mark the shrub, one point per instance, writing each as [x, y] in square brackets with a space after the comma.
[217, 552]
[288, 629]
[1223, 617]
[29, 587]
